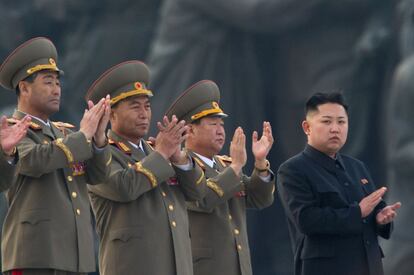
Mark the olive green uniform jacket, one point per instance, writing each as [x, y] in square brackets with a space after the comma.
[48, 224]
[218, 222]
[7, 172]
[141, 213]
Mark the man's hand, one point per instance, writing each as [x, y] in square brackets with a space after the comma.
[238, 151]
[171, 135]
[91, 118]
[388, 213]
[10, 136]
[179, 157]
[100, 134]
[262, 146]
[369, 203]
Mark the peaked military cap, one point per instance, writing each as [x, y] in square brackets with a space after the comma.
[200, 100]
[34, 55]
[121, 81]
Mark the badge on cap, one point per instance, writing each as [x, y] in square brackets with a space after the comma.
[138, 85]
[50, 66]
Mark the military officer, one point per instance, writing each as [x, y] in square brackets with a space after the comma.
[10, 136]
[141, 215]
[218, 222]
[48, 228]
[334, 211]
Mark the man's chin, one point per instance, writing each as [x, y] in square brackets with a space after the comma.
[335, 148]
[218, 148]
[141, 134]
[52, 111]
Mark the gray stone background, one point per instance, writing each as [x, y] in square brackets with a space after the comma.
[267, 56]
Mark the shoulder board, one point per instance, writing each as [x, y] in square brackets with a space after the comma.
[35, 126]
[124, 148]
[60, 124]
[224, 158]
[12, 120]
[150, 143]
[199, 162]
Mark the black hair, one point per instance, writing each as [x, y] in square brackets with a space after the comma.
[29, 79]
[322, 98]
[196, 122]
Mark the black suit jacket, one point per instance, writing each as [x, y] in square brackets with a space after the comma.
[321, 199]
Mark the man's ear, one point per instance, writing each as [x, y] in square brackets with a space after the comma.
[23, 87]
[306, 127]
[191, 129]
[112, 116]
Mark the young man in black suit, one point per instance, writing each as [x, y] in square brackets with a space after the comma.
[335, 212]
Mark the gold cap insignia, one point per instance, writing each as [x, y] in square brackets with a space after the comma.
[138, 85]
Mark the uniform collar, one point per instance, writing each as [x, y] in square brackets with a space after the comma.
[137, 146]
[206, 160]
[323, 159]
[38, 124]
[20, 114]
[128, 147]
[206, 164]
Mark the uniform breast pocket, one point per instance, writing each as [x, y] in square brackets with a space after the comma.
[125, 235]
[36, 226]
[127, 247]
[34, 217]
[201, 254]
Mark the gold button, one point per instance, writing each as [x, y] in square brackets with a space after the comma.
[239, 247]
[174, 224]
[236, 231]
[74, 195]
[163, 194]
[78, 211]
[230, 217]
[171, 207]
[129, 165]
[70, 178]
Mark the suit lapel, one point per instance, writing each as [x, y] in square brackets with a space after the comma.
[56, 132]
[37, 125]
[136, 153]
[208, 171]
[220, 164]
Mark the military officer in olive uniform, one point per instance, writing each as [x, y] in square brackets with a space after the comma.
[48, 227]
[10, 136]
[218, 222]
[140, 212]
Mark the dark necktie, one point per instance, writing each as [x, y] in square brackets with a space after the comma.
[215, 167]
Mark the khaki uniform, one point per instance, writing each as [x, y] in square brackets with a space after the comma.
[218, 222]
[8, 172]
[141, 215]
[48, 224]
